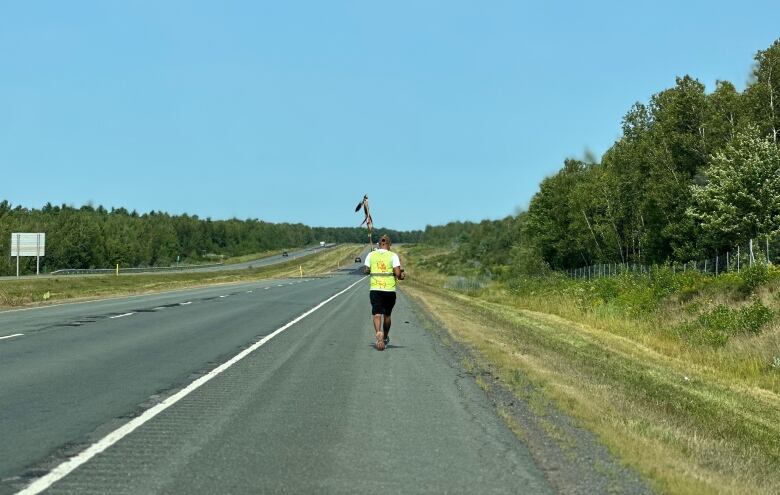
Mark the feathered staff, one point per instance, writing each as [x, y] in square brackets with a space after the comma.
[367, 220]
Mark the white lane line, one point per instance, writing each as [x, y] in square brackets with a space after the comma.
[120, 316]
[223, 296]
[185, 303]
[249, 291]
[267, 288]
[12, 336]
[68, 466]
[158, 308]
[280, 285]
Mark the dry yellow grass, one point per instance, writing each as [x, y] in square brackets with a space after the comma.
[684, 421]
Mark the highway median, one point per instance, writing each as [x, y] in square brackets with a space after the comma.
[29, 292]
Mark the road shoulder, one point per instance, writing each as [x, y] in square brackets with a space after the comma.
[572, 459]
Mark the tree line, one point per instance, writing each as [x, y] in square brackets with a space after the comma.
[693, 174]
[95, 237]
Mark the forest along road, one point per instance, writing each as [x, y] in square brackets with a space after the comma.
[310, 406]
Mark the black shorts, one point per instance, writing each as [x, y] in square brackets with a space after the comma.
[382, 302]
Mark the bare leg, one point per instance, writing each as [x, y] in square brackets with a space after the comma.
[380, 335]
[387, 324]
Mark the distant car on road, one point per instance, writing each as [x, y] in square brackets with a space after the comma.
[284, 254]
[358, 260]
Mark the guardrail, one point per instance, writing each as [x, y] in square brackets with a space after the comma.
[89, 271]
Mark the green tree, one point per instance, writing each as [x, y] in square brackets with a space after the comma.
[764, 91]
[741, 199]
[725, 115]
[551, 218]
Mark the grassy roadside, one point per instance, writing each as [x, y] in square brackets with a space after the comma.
[691, 419]
[30, 292]
[253, 256]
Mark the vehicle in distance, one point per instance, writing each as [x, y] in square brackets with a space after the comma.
[284, 254]
[357, 260]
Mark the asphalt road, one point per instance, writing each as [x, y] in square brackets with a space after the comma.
[314, 409]
[270, 260]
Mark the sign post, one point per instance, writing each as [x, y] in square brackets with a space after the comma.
[28, 244]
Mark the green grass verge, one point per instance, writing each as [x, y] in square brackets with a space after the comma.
[32, 291]
[691, 417]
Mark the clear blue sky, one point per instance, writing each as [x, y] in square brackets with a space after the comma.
[291, 111]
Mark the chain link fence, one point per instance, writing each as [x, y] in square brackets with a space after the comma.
[735, 260]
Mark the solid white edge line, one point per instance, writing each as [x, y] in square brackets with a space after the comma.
[120, 316]
[96, 448]
[11, 336]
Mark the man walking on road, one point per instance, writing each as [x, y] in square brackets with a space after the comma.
[385, 268]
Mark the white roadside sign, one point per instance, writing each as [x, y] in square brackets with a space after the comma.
[28, 244]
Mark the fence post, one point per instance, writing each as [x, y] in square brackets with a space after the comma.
[705, 266]
[716, 263]
[727, 260]
[737, 258]
[750, 259]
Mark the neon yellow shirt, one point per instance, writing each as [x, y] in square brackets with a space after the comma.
[382, 277]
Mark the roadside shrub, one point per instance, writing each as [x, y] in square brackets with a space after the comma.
[716, 326]
[699, 335]
[555, 283]
[721, 318]
[753, 277]
[664, 282]
[627, 293]
[467, 285]
[752, 318]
